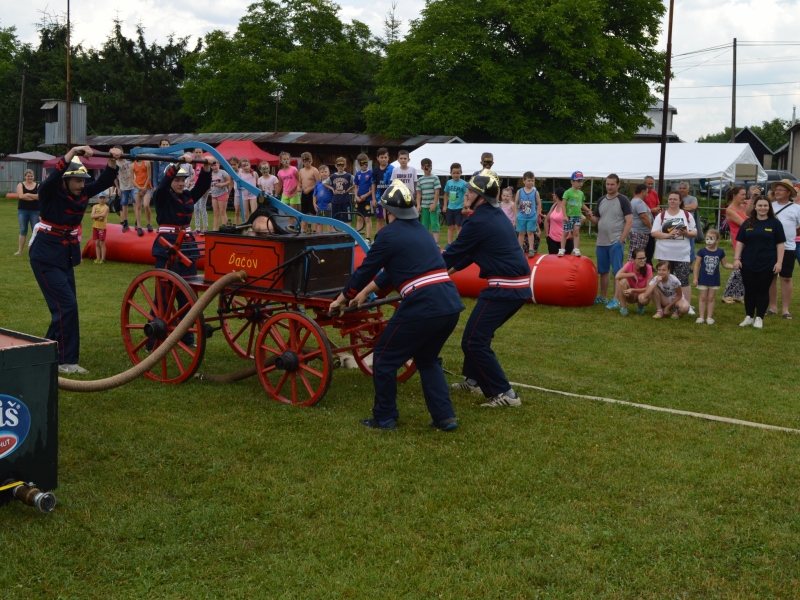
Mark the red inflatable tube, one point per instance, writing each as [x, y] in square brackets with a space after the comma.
[565, 281]
[128, 247]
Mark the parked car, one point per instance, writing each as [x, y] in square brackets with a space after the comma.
[773, 176]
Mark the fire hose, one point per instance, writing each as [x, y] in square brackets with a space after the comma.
[99, 385]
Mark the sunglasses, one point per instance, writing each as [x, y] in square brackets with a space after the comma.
[339, 164]
[363, 162]
[426, 167]
[306, 160]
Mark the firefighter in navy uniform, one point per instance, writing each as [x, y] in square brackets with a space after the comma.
[488, 239]
[55, 246]
[174, 210]
[412, 264]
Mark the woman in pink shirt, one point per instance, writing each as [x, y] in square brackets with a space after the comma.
[554, 225]
[632, 280]
[735, 214]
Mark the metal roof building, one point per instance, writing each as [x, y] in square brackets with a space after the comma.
[325, 147]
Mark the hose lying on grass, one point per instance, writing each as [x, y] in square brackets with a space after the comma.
[99, 385]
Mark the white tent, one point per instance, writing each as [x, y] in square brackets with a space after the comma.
[629, 161]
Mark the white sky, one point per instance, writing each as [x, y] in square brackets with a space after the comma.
[768, 76]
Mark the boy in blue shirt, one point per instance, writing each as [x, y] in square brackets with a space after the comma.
[322, 198]
[381, 176]
[340, 184]
[453, 201]
[363, 183]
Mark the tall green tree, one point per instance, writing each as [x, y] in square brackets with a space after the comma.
[321, 69]
[772, 133]
[522, 71]
[132, 86]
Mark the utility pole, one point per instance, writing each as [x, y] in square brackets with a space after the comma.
[21, 113]
[665, 112]
[69, 103]
[733, 96]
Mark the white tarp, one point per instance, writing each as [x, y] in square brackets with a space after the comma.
[629, 161]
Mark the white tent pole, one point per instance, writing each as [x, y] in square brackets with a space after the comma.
[591, 202]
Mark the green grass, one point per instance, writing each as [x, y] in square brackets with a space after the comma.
[209, 491]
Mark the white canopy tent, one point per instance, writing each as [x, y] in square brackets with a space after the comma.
[595, 161]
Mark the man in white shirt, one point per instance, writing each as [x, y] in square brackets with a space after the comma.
[788, 213]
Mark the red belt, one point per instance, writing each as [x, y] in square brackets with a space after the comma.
[429, 278]
[58, 230]
[509, 282]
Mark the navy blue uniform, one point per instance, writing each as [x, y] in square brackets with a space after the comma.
[421, 324]
[55, 250]
[488, 239]
[173, 213]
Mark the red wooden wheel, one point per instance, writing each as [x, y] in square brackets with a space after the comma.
[365, 340]
[152, 308]
[295, 358]
[241, 327]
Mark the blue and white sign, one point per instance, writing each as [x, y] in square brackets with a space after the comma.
[15, 423]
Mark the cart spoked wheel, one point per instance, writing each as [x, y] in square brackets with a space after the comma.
[152, 308]
[295, 358]
[240, 328]
[364, 341]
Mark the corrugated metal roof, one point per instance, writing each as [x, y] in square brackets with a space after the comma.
[49, 104]
[285, 137]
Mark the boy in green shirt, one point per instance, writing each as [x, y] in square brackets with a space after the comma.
[428, 188]
[574, 201]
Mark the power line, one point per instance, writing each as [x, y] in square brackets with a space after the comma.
[702, 63]
[727, 85]
[737, 97]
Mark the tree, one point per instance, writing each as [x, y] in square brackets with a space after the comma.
[322, 68]
[392, 25]
[132, 87]
[522, 71]
[128, 85]
[772, 133]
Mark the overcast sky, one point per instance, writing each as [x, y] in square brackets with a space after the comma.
[768, 76]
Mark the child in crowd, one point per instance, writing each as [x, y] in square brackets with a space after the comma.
[143, 188]
[527, 203]
[234, 194]
[406, 174]
[340, 184]
[201, 206]
[507, 204]
[268, 183]
[322, 198]
[290, 183]
[706, 274]
[666, 293]
[308, 177]
[220, 184]
[124, 189]
[99, 221]
[453, 202]
[428, 188]
[380, 181]
[363, 182]
[632, 281]
[248, 175]
[574, 204]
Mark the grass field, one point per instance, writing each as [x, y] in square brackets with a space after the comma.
[211, 491]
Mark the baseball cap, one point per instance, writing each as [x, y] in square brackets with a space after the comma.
[103, 193]
[577, 176]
